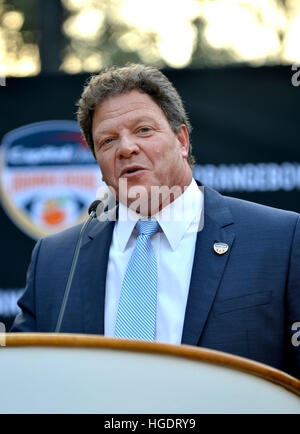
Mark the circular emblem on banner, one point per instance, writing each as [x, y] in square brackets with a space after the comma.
[48, 176]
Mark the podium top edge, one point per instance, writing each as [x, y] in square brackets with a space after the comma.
[184, 351]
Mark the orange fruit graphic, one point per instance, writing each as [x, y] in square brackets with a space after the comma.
[53, 215]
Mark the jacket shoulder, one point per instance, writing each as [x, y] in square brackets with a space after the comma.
[71, 234]
[245, 214]
[261, 214]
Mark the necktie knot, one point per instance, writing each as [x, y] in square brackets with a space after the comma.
[147, 227]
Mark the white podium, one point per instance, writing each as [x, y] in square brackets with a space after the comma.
[50, 373]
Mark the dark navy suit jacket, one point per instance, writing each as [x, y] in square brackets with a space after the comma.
[243, 302]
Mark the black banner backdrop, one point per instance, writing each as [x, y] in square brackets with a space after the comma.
[245, 139]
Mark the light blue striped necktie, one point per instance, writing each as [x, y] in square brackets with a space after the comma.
[136, 318]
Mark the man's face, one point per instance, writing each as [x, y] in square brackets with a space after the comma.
[134, 142]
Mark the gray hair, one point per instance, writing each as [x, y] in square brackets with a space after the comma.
[118, 80]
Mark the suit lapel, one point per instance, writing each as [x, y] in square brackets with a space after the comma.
[208, 267]
[93, 266]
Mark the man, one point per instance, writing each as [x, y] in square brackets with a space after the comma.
[229, 281]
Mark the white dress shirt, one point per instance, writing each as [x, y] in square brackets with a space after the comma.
[174, 247]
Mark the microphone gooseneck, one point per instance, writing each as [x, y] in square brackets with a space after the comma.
[92, 213]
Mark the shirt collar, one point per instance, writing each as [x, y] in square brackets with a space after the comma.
[182, 215]
[126, 222]
[175, 220]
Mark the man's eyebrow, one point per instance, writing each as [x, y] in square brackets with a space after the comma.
[102, 133]
[107, 131]
[144, 118]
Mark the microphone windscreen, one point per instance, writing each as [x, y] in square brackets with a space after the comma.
[93, 206]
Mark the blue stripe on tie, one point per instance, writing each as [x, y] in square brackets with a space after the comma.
[136, 318]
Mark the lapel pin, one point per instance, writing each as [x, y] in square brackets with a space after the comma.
[221, 248]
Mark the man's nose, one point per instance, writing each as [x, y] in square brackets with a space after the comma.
[127, 147]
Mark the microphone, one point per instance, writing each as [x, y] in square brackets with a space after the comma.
[92, 214]
[93, 207]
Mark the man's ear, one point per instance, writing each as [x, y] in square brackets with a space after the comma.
[184, 140]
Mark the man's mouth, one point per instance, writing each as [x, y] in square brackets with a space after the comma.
[131, 171]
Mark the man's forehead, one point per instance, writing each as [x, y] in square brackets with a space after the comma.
[127, 101]
[133, 106]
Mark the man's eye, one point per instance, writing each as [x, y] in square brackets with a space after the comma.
[144, 129]
[106, 141]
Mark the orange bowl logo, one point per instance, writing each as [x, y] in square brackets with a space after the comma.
[48, 177]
